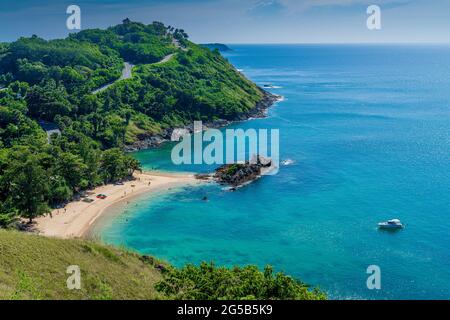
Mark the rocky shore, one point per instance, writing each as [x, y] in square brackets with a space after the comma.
[237, 175]
[147, 141]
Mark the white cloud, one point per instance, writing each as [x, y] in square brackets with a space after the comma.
[303, 5]
[266, 8]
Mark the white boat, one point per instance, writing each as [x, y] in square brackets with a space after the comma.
[391, 224]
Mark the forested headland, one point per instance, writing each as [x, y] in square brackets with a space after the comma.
[42, 82]
[67, 113]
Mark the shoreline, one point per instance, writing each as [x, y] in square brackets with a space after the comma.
[258, 112]
[77, 218]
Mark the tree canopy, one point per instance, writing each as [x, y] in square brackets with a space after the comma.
[54, 82]
[208, 282]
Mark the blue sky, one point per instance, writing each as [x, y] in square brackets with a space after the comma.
[241, 21]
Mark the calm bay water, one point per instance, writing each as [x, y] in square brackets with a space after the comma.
[367, 129]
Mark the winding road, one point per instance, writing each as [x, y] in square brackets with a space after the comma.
[127, 72]
[166, 58]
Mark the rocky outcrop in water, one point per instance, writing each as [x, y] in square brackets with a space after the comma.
[238, 174]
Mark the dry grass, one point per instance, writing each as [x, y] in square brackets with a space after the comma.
[34, 267]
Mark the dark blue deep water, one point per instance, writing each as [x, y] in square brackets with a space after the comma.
[368, 131]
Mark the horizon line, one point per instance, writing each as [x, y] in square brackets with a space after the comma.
[328, 43]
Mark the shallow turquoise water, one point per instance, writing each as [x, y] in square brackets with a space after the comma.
[368, 130]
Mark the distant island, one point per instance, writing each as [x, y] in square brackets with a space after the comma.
[217, 46]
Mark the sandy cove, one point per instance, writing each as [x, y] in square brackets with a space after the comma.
[77, 217]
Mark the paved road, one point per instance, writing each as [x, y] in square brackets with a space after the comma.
[50, 128]
[127, 72]
[166, 58]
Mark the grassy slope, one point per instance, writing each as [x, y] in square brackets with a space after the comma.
[34, 267]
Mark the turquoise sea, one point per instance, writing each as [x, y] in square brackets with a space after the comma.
[368, 131]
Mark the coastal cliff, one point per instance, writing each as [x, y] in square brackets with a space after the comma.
[147, 141]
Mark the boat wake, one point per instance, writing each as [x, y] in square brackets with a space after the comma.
[271, 86]
[287, 162]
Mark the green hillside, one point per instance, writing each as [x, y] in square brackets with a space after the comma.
[99, 91]
[174, 82]
[34, 267]
[103, 90]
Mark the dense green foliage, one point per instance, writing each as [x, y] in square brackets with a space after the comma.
[216, 46]
[208, 282]
[54, 82]
[195, 85]
[78, 65]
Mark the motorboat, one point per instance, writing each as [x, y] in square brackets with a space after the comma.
[391, 224]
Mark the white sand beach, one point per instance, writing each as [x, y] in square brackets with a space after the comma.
[76, 218]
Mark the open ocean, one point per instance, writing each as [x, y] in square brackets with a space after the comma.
[368, 131]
